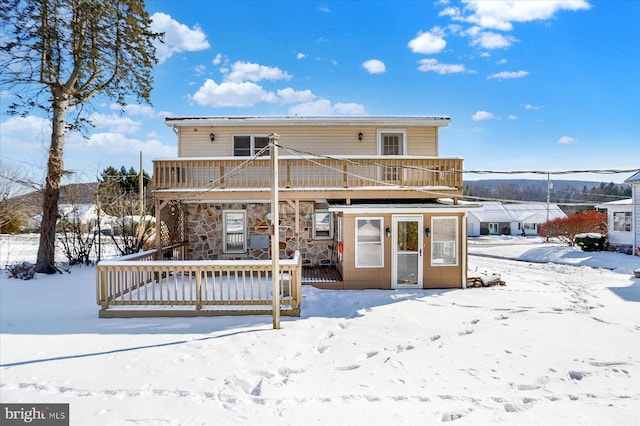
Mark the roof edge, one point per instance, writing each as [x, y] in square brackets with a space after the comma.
[275, 120]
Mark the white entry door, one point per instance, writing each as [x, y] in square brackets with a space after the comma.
[406, 253]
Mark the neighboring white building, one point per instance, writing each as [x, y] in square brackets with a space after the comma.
[620, 225]
[85, 214]
[511, 219]
[634, 181]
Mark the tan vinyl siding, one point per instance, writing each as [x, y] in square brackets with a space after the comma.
[324, 140]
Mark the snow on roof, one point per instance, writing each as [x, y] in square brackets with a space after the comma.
[633, 179]
[495, 211]
[610, 204]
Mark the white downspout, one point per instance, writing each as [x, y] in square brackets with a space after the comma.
[464, 249]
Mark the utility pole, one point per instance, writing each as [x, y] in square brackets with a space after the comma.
[548, 198]
[141, 188]
[275, 231]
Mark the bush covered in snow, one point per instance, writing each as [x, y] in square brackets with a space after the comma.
[591, 242]
[22, 270]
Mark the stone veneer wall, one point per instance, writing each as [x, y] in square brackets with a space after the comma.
[205, 229]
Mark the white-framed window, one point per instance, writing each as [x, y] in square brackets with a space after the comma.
[369, 242]
[322, 225]
[444, 241]
[249, 145]
[392, 141]
[235, 231]
[622, 221]
[530, 226]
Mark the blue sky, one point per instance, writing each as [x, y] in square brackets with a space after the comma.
[541, 85]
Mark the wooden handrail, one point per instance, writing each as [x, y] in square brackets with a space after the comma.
[311, 172]
[246, 284]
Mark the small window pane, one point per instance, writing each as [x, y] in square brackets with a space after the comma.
[369, 249]
[322, 225]
[622, 221]
[242, 146]
[444, 241]
[234, 230]
[261, 142]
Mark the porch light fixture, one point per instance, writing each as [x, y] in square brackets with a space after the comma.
[360, 136]
[387, 232]
[212, 137]
[427, 231]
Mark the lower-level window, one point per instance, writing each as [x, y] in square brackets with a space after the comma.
[235, 235]
[444, 241]
[622, 221]
[369, 249]
[322, 225]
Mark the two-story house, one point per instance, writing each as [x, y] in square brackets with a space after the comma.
[357, 194]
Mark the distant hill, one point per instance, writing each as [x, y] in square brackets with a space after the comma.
[30, 204]
[562, 191]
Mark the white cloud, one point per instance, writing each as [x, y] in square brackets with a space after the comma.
[136, 109]
[115, 123]
[509, 74]
[242, 71]
[374, 66]
[232, 94]
[534, 107]
[217, 60]
[324, 107]
[433, 65]
[300, 55]
[29, 125]
[500, 15]
[565, 140]
[177, 37]
[428, 43]
[483, 115]
[324, 9]
[199, 69]
[491, 40]
[289, 95]
[512, 117]
[350, 109]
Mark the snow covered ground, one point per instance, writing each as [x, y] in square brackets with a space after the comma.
[559, 344]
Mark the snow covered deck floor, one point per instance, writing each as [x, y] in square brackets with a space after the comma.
[145, 288]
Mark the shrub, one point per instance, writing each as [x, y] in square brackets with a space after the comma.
[565, 229]
[591, 242]
[21, 271]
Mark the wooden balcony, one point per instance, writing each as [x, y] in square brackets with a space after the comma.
[361, 177]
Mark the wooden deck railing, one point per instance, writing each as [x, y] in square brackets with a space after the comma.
[140, 287]
[311, 172]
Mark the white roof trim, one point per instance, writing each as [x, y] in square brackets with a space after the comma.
[437, 121]
[401, 208]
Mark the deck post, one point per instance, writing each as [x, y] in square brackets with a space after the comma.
[275, 231]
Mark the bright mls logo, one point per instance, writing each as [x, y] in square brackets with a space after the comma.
[35, 414]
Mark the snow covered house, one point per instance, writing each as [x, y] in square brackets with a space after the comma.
[624, 219]
[496, 218]
[620, 225]
[358, 196]
[634, 181]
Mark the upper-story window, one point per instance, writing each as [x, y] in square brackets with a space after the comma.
[392, 142]
[249, 145]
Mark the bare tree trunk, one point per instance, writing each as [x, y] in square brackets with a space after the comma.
[45, 262]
